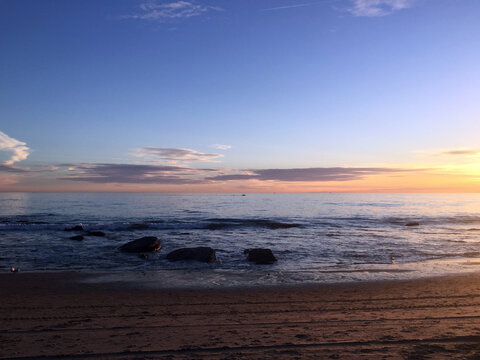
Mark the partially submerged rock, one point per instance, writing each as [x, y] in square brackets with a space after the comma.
[202, 254]
[260, 256]
[76, 237]
[74, 228]
[142, 245]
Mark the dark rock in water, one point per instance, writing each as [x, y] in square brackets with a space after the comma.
[142, 245]
[75, 228]
[260, 256]
[77, 237]
[412, 224]
[95, 233]
[203, 254]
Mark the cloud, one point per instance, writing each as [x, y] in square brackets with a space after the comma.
[459, 152]
[11, 169]
[307, 174]
[175, 155]
[172, 10]
[133, 174]
[180, 175]
[466, 152]
[44, 168]
[372, 8]
[221, 146]
[19, 149]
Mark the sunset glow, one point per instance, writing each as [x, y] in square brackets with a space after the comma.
[251, 96]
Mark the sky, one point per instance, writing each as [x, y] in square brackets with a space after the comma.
[240, 96]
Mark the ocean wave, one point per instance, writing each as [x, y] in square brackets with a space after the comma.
[440, 220]
[452, 224]
[225, 223]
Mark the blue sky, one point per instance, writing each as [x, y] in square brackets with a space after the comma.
[384, 84]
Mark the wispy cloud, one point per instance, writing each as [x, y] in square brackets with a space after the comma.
[171, 10]
[456, 152]
[221, 146]
[307, 174]
[19, 149]
[175, 155]
[372, 8]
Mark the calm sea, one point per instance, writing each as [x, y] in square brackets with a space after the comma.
[316, 237]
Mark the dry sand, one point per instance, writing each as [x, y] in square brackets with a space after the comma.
[52, 315]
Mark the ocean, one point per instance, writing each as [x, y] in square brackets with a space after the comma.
[316, 238]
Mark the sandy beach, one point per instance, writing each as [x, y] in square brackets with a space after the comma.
[57, 315]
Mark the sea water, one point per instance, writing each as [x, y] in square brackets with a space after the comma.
[315, 237]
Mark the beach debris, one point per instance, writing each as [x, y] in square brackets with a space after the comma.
[202, 254]
[14, 270]
[413, 223]
[142, 245]
[95, 233]
[74, 228]
[77, 237]
[260, 256]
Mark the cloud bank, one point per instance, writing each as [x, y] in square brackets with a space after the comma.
[132, 174]
[180, 175]
[19, 149]
[307, 174]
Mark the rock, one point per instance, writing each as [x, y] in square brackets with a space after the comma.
[412, 224]
[260, 256]
[75, 228]
[95, 233]
[203, 254]
[144, 244]
[76, 237]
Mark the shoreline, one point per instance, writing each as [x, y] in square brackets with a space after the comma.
[58, 315]
[185, 278]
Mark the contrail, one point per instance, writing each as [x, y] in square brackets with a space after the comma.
[296, 6]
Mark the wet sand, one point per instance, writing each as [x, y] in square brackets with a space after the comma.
[53, 315]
